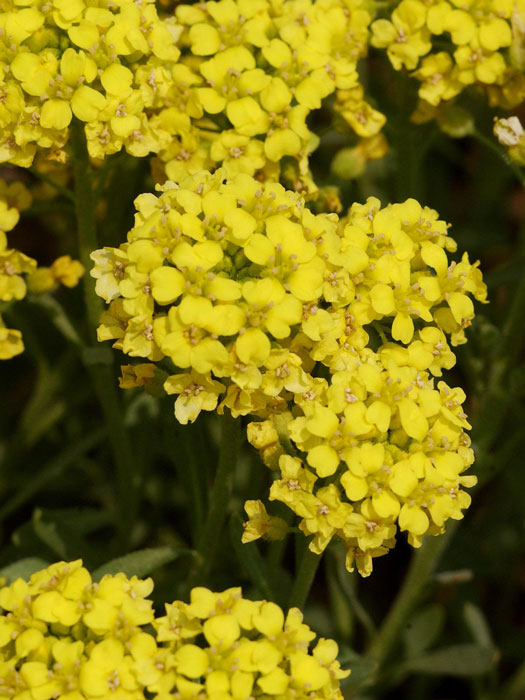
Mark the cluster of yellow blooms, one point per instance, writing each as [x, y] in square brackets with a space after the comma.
[93, 61]
[391, 445]
[266, 305]
[257, 66]
[231, 83]
[221, 276]
[253, 70]
[334, 328]
[485, 47]
[19, 272]
[63, 635]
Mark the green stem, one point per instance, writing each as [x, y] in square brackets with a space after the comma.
[423, 563]
[343, 614]
[220, 494]
[380, 332]
[110, 164]
[515, 688]
[57, 186]
[348, 585]
[277, 548]
[513, 328]
[503, 155]
[489, 421]
[86, 223]
[182, 443]
[304, 578]
[98, 361]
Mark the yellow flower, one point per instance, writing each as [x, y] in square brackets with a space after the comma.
[438, 77]
[475, 62]
[136, 375]
[361, 116]
[107, 670]
[406, 37]
[260, 524]
[265, 67]
[196, 393]
[11, 343]
[246, 291]
[237, 153]
[67, 271]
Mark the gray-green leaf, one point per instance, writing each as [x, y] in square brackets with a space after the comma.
[457, 660]
[23, 568]
[140, 563]
[423, 629]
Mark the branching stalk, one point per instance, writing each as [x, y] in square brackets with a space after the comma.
[99, 363]
[304, 578]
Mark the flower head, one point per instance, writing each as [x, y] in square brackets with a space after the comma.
[62, 634]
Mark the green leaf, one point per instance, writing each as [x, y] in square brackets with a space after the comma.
[82, 521]
[51, 471]
[58, 316]
[423, 629]
[47, 404]
[47, 531]
[23, 568]
[140, 563]
[62, 529]
[477, 624]
[457, 660]
[363, 668]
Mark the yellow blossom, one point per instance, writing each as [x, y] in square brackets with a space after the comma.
[260, 524]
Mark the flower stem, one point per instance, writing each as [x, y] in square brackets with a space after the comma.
[99, 361]
[304, 577]
[56, 185]
[515, 688]
[182, 443]
[86, 223]
[220, 494]
[423, 563]
[495, 403]
[348, 586]
[500, 153]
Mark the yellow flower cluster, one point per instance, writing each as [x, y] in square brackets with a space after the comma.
[237, 280]
[250, 74]
[18, 272]
[272, 307]
[391, 444]
[486, 47]
[251, 71]
[220, 276]
[63, 635]
[97, 62]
